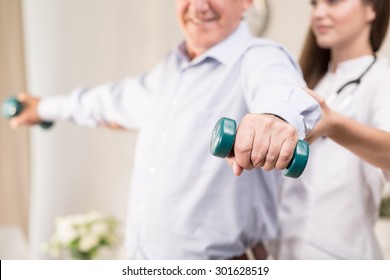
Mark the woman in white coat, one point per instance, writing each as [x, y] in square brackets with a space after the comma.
[330, 212]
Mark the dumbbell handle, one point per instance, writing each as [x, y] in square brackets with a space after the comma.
[13, 107]
[222, 142]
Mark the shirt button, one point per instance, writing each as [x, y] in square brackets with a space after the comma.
[163, 135]
[174, 102]
[152, 170]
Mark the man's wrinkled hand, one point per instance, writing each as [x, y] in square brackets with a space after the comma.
[263, 141]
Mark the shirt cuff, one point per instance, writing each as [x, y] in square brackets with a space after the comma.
[52, 108]
[284, 111]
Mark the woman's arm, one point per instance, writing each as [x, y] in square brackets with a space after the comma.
[370, 144]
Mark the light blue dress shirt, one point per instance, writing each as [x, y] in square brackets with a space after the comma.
[185, 203]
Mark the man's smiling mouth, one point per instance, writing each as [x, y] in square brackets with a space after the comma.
[199, 21]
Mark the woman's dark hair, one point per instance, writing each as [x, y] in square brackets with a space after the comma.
[314, 60]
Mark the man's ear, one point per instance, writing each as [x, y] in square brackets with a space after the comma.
[246, 4]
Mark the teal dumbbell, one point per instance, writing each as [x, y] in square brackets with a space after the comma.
[222, 142]
[13, 107]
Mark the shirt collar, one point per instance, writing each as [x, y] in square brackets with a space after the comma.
[224, 52]
[352, 67]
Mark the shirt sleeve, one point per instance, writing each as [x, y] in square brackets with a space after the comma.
[380, 104]
[125, 102]
[273, 84]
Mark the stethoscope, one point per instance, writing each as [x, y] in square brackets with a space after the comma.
[348, 99]
[356, 81]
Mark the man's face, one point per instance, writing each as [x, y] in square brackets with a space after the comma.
[207, 22]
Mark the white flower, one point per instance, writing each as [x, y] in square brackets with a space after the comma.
[66, 232]
[88, 242]
[83, 235]
[79, 219]
[100, 228]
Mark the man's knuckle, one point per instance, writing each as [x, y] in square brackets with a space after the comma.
[257, 160]
[271, 157]
[284, 156]
[242, 148]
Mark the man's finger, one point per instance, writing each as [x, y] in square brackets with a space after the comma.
[237, 169]
[286, 153]
[243, 147]
[259, 152]
[272, 154]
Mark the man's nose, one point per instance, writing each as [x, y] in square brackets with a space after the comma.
[199, 5]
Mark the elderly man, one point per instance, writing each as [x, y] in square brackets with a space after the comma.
[184, 203]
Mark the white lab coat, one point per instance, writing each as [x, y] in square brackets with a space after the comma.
[330, 212]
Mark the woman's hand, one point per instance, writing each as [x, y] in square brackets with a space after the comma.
[325, 125]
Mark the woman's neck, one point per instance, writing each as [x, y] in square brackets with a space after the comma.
[343, 53]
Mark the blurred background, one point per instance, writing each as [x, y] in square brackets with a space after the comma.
[49, 47]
